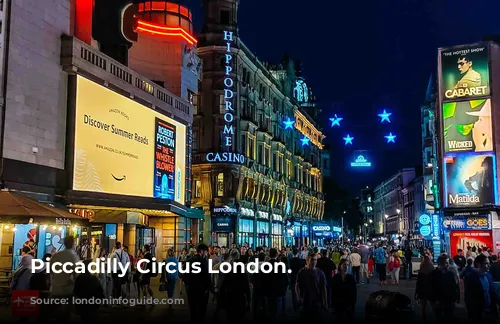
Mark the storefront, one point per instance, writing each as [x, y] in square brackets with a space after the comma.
[223, 228]
[277, 231]
[24, 219]
[468, 231]
[320, 232]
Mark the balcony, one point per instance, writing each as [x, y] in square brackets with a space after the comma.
[80, 58]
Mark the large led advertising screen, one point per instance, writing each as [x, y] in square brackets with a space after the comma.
[464, 239]
[464, 72]
[467, 126]
[470, 180]
[123, 147]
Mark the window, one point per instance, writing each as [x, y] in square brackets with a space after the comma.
[220, 185]
[289, 168]
[222, 104]
[225, 17]
[243, 145]
[260, 154]
[194, 143]
[197, 189]
[251, 147]
[267, 156]
[193, 99]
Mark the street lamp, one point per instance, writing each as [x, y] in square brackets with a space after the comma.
[385, 224]
[366, 234]
[398, 211]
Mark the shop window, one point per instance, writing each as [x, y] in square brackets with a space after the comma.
[220, 185]
[197, 189]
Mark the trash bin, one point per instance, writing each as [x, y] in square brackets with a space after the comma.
[388, 305]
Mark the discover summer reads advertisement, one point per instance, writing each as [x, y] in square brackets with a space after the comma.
[123, 147]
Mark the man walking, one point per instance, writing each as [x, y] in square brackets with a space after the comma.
[311, 290]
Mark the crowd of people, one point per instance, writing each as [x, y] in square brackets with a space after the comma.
[318, 280]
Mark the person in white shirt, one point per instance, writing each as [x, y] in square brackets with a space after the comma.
[62, 284]
[355, 262]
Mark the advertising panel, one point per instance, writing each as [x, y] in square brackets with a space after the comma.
[464, 239]
[470, 180]
[467, 126]
[467, 223]
[464, 72]
[123, 147]
[164, 185]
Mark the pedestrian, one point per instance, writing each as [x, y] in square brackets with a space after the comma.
[145, 281]
[380, 264]
[364, 252]
[355, 262]
[235, 291]
[423, 287]
[328, 267]
[296, 264]
[87, 287]
[394, 268]
[460, 260]
[119, 282]
[62, 284]
[258, 299]
[345, 294]
[479, 293]
[170, 277]
[274, 285]
[198, 285]
[311, 290]
[444, 291]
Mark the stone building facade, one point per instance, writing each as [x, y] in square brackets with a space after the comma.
[265, 188]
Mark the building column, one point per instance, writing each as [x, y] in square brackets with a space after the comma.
[119, 233]
[129, 237]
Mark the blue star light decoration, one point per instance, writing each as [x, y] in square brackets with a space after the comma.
[336, 120]
[305, 141]
[390, 138]
[385, 116]
[348, 139]
[289, 123]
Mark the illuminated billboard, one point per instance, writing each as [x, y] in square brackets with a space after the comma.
[470, 180]
[467, 126]
[464, 72]
[123, 147]
[464, 239]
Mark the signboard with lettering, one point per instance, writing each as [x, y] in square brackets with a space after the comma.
[436, 226]
[223, 224]
[225, 210]
[321, 228]
[467, 223]
[227, 100]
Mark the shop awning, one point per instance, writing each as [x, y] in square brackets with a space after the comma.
[18, 209]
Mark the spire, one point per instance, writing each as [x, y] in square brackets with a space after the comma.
[430, 93]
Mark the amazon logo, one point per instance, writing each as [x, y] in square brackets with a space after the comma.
[119, 178]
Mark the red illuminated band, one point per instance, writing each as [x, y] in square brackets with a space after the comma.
[165, 31]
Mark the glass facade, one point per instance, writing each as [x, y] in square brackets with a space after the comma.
[277, 235]
[245, 231]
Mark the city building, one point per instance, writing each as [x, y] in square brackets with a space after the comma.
[388, 204]
[256, 151]
[467, 151]
[101, 147]
[430, 148]
[366, 208]
[413, 206]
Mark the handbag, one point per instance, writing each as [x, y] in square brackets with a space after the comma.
[163, 286]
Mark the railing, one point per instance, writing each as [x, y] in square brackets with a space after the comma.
[76, 55]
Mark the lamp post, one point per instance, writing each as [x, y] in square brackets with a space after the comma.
[385, 224]
[342, 224]
[398, 212]
[366, 234]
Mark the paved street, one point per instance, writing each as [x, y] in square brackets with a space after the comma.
[179, 313]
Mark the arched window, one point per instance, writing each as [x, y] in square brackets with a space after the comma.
[220, 185]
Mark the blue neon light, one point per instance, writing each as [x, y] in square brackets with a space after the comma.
[305, 141]
[390, 138]
[361, 161]
[289, 123]
[424, 219]
[436, 226]
[348, 139]
[385, 116]
[425, 230]
[336, 120]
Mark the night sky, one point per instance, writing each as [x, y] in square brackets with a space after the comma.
[365, 56]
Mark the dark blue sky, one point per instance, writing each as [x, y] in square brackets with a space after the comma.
[368, 55]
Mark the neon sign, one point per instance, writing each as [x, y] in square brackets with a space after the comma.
[301, 92]
[390, 138]
[228, 130]
[305, 141]
[424, 219]
[336, 120]
[289, 123]
[348, 139]
[361, 161]
[385, 117]
[435, 226]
